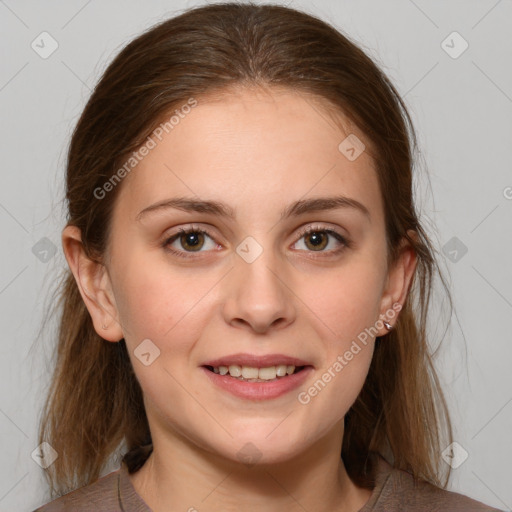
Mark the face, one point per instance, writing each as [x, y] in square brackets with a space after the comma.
[250, 281]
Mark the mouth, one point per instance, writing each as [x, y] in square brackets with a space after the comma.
[246, 382]
[255, 374]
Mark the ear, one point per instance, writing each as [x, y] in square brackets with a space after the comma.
[94, 284]
[398, 282]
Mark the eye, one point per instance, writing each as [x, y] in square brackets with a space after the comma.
[190, 239]
[318, 238]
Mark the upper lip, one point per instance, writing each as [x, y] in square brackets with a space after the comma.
[255, 361]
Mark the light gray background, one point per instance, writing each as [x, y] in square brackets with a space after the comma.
[462, 108]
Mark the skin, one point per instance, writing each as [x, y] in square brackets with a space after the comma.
[258, 151]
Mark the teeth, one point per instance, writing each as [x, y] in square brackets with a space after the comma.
[282, 369]
[265, 373]
[247, 372]
[252, 373]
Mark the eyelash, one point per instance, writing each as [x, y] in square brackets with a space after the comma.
[346, 244]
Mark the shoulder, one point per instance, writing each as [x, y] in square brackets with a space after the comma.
[101, 495]
[399, 491]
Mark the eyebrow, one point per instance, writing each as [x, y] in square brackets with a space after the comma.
[295, 209]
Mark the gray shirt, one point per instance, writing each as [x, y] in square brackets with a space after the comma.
[394, 491]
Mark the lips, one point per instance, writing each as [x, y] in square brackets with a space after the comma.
[258, 391]
[255, 361]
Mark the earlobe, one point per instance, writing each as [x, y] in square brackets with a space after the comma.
[94, 285]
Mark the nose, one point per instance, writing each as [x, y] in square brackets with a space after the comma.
[257, 295]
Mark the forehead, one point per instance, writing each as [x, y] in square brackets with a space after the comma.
[256, 147]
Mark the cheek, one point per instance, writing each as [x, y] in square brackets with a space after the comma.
[346, 301]
[160, 303]
[344, 369]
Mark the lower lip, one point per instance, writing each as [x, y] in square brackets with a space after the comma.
[259, 390]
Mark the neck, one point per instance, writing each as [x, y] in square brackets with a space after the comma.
[180, 476]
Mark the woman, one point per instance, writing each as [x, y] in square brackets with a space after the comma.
[249, 281]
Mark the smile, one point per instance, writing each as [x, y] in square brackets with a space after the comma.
[240, 381]
[253, 374]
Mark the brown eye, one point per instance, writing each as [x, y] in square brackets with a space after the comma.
[318, 240]
[192, 241]
[321, 240]
[188, 241]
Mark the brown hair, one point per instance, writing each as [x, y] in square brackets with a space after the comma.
[95, 404]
